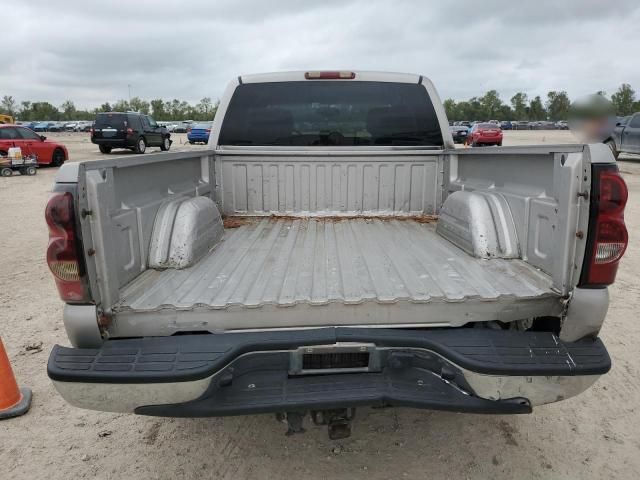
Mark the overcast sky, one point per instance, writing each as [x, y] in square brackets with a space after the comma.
[89, 51]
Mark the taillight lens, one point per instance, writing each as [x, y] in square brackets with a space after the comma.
[129, 131]
[611, 241]
[613, 193]
[608, 237]
[208, 130]
[64, 250]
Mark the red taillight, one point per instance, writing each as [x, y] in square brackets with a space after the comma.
[608, 237]
[330, 75]
[64, 248]
[129, 131]
[208, 130]
[91, 131]
[613, 193]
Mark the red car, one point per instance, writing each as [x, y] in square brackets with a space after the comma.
[47, 152]
[485, 134]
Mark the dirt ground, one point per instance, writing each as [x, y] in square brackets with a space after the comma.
[594, 435]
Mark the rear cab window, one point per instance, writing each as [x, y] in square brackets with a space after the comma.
[329, 113]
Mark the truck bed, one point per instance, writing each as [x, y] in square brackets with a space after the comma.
[291, 272]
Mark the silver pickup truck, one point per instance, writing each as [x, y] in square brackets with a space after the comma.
[331, 249]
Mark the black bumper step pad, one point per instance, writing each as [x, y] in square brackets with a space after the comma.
[193, 357]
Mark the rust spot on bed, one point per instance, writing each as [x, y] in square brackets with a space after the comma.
[239, 221]
[236, 222]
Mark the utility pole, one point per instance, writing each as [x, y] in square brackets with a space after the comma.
[129, 87]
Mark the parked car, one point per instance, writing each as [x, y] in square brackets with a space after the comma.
[484, 134]
[133, 131]
[521, 125]
[488, 296]
[42, 126]
[46, 151]
[459, 133]
[182, 127]
[542, 125]
[625, 137]
[506, 125]
[83, 126]
[465, 123]
[198, 133]
[70, 127]
[562, 125]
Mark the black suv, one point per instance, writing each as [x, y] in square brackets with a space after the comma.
[128, 130]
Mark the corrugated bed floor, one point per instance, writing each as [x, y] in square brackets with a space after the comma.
[289, 261]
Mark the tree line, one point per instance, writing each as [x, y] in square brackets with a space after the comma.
[487, 107]
[554, 107]
[161, 109]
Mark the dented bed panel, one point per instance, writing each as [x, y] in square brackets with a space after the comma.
[310, 262]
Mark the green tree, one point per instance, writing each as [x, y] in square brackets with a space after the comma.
[624, 100]
[25, 110]
[505, 113]
[450, 109]
[519, 105]
[105, 107]
[121, 106]
[8, 105]
[44, 111]
[536, 109]
[491, 105]
[138, 105]
[471, 109]
[558, 104]
[205, 108]
[68, 110]
[178, 109]
[159, 112]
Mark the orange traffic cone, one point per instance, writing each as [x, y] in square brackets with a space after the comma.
[14, 401]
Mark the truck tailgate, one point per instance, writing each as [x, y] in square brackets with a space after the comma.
[336, 270]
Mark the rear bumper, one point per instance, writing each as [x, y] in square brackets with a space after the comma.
[198, 138]
[466, 370]
[489, 140]
[115, 142]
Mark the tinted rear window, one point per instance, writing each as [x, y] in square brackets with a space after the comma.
[488, 125]
[110, 120]
[326, 113]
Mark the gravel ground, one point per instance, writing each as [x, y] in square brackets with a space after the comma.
[594, 435]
